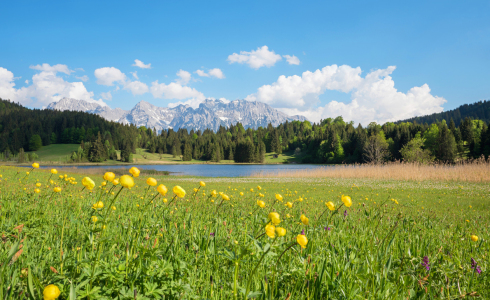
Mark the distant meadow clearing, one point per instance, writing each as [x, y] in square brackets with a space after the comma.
[397, 232]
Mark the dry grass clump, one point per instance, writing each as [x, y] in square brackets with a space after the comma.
[473, 171]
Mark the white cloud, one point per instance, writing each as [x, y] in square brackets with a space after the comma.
[106, 96]
[373, 98]
[174, 90]
[194, 103]
[83, 78]
[212, 73]
[135, 74]
[185, 77]
[109, 75]
[56, 68]
[136, 87]
[255, 58]
[224, 100]
[138, 63]
[292, 60]
[27, 81]
[46, 87]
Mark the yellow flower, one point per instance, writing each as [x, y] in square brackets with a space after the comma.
[289, 204]
[474, 238]
[109, 176]
[347, 201]
[162, 189]
[134, 171]
[88, 183]
[202, 183]
[127, 181]
[304, 219]
[57, 189]
[37, 191]
[103, 183]
[51, 292]
[279, 197]
[300, 199]
[38, 184]
[35, 165]
[225, 197]
[259, 188]
[94, 219]
[113, 207]
[54, 171]
[151, 181]
[180, 192]
[115, 181]
[270, 230]
[99, 204]
[302, 240]
[280, 231]
[61, 176]
[165, 200]
[260, 203]
[261, 195]
[214, 193]
[241, 193]
[275, 218]
[195, 190]
[330, 205]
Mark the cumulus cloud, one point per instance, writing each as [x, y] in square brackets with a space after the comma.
[212, 73]
[109, 75]
[174, 90]
[106, 96]
[135, 74]
[46, 87]
[291, 59]
[27, 81]
[56, 68]
[184, 77]
[256, 58]
[373, 98]
[138, 63]
[83, 78]
[136, 87]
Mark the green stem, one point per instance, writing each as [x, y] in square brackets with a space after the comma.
[255, 269]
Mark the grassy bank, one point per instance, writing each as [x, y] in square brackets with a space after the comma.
[398, 240]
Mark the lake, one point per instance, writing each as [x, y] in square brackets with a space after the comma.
[212, 170]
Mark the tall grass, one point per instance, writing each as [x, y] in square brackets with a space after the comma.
[473, 171]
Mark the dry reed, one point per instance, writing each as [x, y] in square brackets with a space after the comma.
[472, 171]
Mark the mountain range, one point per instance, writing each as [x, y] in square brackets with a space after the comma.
[211, 114]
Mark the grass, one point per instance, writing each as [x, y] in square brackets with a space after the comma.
[208, 248]
[59, 153]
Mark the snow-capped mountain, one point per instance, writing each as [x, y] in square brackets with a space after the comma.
[211, 114]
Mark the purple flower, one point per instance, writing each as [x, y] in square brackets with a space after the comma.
[212, 234]
[327, 228]
[345, 213]
[425, 263]
[475, 266]
[303, 232]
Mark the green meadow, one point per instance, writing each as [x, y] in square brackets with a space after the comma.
[398, 239]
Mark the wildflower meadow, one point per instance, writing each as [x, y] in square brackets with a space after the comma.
[76, 236]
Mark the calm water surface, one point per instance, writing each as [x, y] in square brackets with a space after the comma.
[214, 170]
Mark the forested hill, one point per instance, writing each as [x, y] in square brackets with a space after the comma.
[479, 110]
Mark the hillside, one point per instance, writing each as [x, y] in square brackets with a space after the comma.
[478, 110]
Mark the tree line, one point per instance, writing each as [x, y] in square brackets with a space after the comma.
[329, 141]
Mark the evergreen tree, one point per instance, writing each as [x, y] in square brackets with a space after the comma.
[35, 142]
[187, 152]
[97, 151]
[446, 150]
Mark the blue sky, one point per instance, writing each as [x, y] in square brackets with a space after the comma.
[368, 61]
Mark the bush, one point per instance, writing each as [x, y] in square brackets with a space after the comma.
[35, 143]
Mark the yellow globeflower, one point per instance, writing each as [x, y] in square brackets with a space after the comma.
[113, 207]
[195, 190]
[109, 176]
[54, 171]
[474, 238]
[88, 183]
[134, 171]
[162, 189]
[103, 183]
[279, 197]
[275, 218]
[99, 204]
[61, 176]
[51, 292]
[259, 187]
[330, 205]
[202, 183]
[35, 165]
[38, 184]
[304, 219]
[260, 203]
[214, 193]
[252, 190]
[180, 192]
[225, 197]
[94, 219]
[151, 181]
[289, 204]
[347, 201]
[57, 189]
[270, 230]
[241, 193]
[127, 181]
[302, 240]
[280, 231]
[115, 181]
[37, 191]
